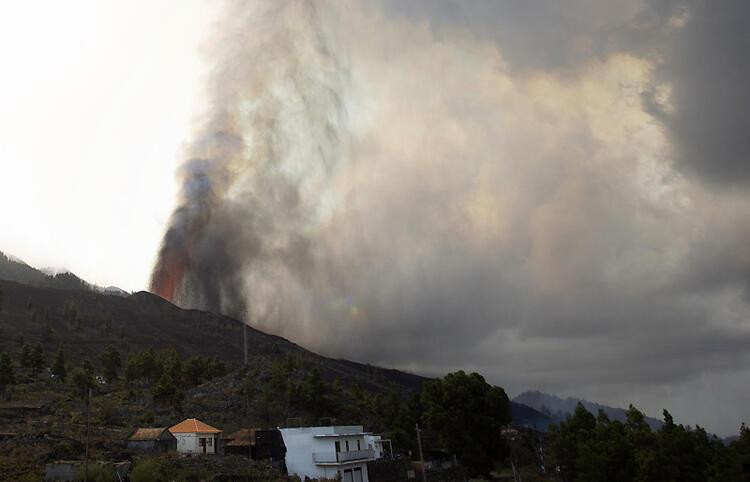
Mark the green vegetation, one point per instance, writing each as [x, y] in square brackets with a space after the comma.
[58, 368]
[588, 448]
[7, 374]
[469, 414]
[146, 368]
[110, 359]
[166, 393]
[83, 382]
[36, 362]
[152, 470]
[24, 355]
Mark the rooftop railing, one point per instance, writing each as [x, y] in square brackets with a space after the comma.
[342, 457]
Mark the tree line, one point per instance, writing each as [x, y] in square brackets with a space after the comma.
[593, 448]
[164, 372]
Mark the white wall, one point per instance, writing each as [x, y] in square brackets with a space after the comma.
[188, 443]
[374, 443]
[301, 444]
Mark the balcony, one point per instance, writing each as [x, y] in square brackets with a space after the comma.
[332, 458]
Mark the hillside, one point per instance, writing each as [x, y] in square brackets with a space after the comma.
[86, 322]
[558, 408]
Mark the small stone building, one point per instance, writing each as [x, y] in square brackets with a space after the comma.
[155, 440]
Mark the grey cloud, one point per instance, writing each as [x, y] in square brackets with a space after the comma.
[541, 34]
[704, 61]
[706, 64]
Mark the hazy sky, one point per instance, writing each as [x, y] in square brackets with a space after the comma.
[553, 193]
[97, 98]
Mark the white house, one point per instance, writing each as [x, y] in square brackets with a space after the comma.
[195, 437]
[327, 452]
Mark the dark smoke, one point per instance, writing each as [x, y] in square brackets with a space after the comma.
[254, 176]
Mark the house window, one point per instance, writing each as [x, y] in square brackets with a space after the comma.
[338, 446]
[347, 445]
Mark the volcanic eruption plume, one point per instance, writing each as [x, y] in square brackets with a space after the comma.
[257, 170]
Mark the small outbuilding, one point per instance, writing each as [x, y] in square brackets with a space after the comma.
[196, 437]
[156, 440]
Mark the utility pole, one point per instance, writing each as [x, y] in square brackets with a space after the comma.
[86, 457]
[421, 455]
[244, 332]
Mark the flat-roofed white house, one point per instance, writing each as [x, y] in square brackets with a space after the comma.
[195, 437]
[327, 452]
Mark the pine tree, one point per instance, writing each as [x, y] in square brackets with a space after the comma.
[58, 368]
[7, 376]
[82, 381]
[24, 355]
[37, 359]
[132, 368]
[148, 368]
[165, 392]
[47, 333]
[111, 362]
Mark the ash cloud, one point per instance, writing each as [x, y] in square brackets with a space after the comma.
[526, 189]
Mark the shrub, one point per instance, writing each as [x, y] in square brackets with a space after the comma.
[152, 470]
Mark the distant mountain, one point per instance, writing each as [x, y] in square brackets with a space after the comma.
[15, 269]
[526, 416]
[114, 290]
[558, 409]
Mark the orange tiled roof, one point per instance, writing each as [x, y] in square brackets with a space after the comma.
[193, 425]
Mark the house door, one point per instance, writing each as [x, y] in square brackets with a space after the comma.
[357, 475]
[202, 443]
[347, 476]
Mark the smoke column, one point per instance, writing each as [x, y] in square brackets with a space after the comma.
[256, 174]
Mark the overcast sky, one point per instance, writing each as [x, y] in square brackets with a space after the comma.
[553, 193]
[97, 98]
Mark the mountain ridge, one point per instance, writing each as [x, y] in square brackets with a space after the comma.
[558, 408]
[13, 268]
